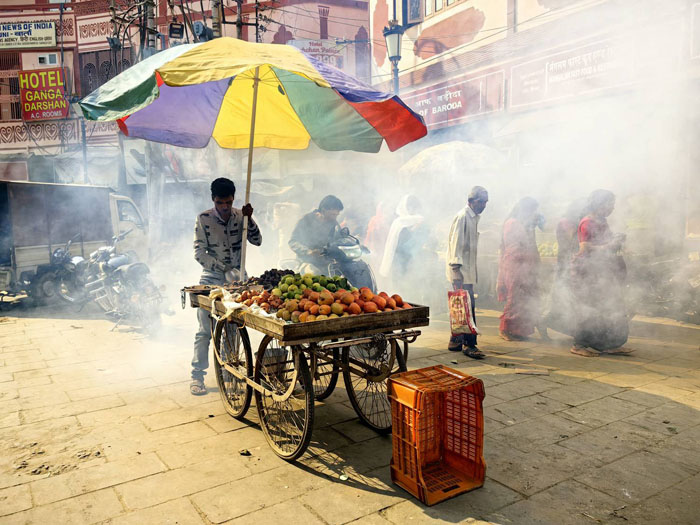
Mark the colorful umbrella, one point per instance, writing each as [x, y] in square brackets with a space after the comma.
[248, 95]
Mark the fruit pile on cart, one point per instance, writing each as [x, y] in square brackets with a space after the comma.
[314, 329]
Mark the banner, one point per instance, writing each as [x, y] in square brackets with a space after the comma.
[42, 94]
[27, 34]
[327, 51]
[458, 99]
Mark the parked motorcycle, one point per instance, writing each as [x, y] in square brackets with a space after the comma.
[61, 277]
[344, 256]
[122, 287]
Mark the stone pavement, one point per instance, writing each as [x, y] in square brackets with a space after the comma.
[99, 427]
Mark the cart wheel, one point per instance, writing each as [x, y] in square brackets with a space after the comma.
[232, 347]
[325, 375]
[286, 422]
[368, 394]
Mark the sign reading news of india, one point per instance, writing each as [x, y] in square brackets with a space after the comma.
[15, 35]
[42, 95]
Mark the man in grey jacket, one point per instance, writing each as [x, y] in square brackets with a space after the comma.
[461, 262]
[218, 234]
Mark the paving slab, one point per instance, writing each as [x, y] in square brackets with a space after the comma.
[15, 499]
[603, 411]
[74, 483]
[88, 508]
[473, 504]
[291, 512]
[567, 502]
[176, 512]
[111, 434]
[241, 497]
[174, 484]
[636, 477]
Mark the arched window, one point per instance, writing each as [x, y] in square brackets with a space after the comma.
[362, 54]
[105, 71]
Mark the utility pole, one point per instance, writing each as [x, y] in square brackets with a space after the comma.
[86, 179]
[216, 18]
[239, 19]
[151, 26]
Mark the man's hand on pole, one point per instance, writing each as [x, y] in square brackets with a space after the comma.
[247, 210]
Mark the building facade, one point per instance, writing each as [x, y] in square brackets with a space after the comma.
[577, 94]
[70, 39]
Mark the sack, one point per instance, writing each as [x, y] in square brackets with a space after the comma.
[460, 308]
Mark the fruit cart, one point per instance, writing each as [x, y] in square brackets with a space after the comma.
[299, 363]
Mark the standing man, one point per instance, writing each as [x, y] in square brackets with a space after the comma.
[461, 262]
[217, 247]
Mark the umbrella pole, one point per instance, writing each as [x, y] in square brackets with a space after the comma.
[244, 239]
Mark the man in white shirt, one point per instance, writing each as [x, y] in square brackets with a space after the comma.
[218, 237]
[461, 262]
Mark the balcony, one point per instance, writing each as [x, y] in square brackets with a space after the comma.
[47, 137]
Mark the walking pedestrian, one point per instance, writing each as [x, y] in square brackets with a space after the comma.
[598, 271]
[560, 314]
[518, 268]
[218, 233]
[461, 262]
[406, 237]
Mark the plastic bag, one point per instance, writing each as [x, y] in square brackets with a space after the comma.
[460, 308]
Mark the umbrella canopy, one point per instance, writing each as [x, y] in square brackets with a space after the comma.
[248, 95]
[456, 157]
[188, 94]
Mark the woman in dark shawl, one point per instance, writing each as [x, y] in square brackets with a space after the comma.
[597, 275]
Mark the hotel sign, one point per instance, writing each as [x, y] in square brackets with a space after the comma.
[42, 94]
[17, 35]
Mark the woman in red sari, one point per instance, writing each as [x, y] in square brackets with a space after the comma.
[518, 271]
[597, 276]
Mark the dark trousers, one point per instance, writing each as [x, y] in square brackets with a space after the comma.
[468, 340]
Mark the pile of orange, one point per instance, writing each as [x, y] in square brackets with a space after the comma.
[317, 306]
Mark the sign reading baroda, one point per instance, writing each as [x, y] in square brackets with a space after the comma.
[42, 94]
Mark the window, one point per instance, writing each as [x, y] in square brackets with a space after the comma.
[10, 106]
[428, 7]
[323, 19]
[129, 213]
[438, 5]
[415, 11]
[48, 59]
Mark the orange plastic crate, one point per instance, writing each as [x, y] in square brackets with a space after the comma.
[438, 432]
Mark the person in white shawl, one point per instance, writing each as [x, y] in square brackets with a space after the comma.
[408, 217]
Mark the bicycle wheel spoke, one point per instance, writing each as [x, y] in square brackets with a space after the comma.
[286, 423]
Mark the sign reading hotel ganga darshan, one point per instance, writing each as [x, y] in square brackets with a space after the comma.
[15, 35]
[42, 94]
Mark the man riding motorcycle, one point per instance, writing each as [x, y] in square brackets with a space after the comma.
[312, 234]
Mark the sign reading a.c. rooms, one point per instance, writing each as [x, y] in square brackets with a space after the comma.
[42, 94]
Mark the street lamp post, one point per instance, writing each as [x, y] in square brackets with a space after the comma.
[392, 35]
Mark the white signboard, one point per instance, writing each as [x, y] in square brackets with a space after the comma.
[14, 35]
[327, 51]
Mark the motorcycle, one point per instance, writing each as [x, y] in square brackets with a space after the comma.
[122, 287]
[344, 255]
[70, 284]
[61, 277]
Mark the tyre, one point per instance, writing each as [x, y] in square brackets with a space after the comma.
[369, 394]
[232, 350]
[287, 416]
